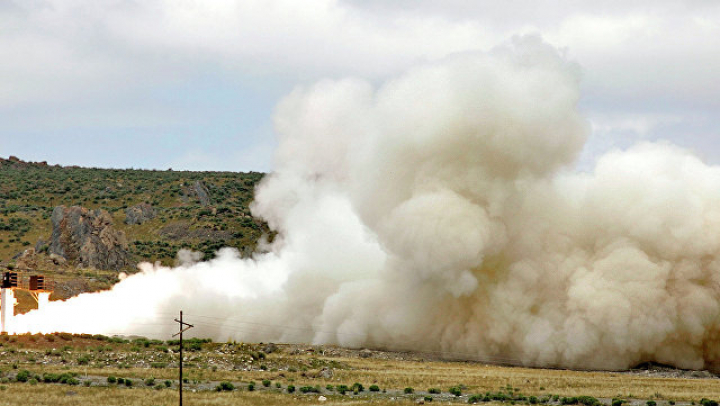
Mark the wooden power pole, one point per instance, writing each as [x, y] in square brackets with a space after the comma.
[180, 333]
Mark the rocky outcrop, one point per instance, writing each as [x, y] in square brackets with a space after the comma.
[26, 260]
[202, 193]
[139, 213]
[87, 238]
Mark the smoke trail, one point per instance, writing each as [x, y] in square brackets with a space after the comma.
[437, 212]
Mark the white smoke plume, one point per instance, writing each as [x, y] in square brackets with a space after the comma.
[439, 212]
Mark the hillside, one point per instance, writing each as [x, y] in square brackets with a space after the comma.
[202, 211]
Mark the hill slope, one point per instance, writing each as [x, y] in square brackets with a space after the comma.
[202, 211]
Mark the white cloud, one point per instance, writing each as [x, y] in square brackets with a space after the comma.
[79, 58]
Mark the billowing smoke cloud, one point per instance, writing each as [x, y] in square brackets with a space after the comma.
[439, 212]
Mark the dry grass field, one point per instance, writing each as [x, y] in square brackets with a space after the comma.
[64, 369]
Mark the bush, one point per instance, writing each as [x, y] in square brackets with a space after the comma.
[22, 376]
[428, 398]
[309, 389]
[251, 386]
[128, 382]
[374, 388]
[434, 390]
[455, 390]
[590, 401]
[708, 402]
[168, 383]
[110, 379]
[533, 400]
[291, 388]
[225, 386]
[150, 381]
[473, 399]
[266, 382]
[357, 387]
[278, 385]
[408, 390]
[342, 389]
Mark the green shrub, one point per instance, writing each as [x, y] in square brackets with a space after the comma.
[251, 387]
[708, 402]
[278, 385]
[309, 389]
[408, 390]
[455, 390]
[651, 403]
[374, 388]
[434, 390]
[225, 386]
[330, 388]
[168, 383]
[342, 389]
[150, 381]
[22, 376]
[266, 382]
[128, 382]
[590, 401]
[533, 400]
[473, 399]
[291, 388]
[428, 398]
[110, 379]
[357, 387]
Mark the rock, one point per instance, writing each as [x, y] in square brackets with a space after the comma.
[87, 238]
[326, 373]
[26, 260]
[57, 259]
[139, 213]
[13, 158]
[40, 245]
[322, 398]
[202, 193]
[269, 348]
[420, 402]
[365, 353]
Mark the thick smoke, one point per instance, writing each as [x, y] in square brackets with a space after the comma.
[439, 212]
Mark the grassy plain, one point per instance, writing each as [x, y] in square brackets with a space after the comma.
[63, 369]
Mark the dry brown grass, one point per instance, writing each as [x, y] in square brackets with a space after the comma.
[286, 367]
[482, 378]
[57, 395]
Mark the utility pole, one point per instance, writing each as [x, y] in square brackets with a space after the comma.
[189, 326]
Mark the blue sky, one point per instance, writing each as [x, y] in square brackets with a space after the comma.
[193, 84]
